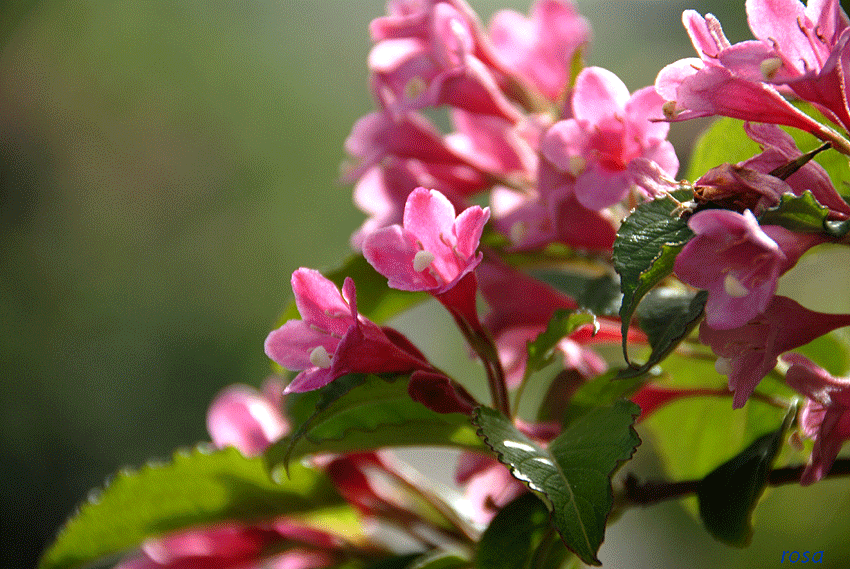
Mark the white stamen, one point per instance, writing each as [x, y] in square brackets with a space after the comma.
[669, 110]
[723, 366]
[319, 357]
[577, 165]
[769, 67]
[734, 287]
[422, 260]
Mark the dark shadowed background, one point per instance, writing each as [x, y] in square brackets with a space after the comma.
[165, 166]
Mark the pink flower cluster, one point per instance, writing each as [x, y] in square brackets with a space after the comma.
[799, 52]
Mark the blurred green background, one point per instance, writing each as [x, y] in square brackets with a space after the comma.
[165, 166]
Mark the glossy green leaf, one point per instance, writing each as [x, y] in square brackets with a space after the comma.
[803, 214]
[375, 300]
[573, 474]
[196, 487]
[728, 495]
[514, 538]
[361, 412]
[667, 316]
[646, 247]
[600, 295]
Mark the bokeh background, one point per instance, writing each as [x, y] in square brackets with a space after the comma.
[164, 166]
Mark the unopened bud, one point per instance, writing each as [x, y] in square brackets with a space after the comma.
[319, 357]
[422, 260]
[734, 287]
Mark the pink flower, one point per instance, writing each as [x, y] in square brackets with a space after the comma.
[707, 86]
[432, 56]
[434, 251]
[541, 49]
[738, 262]
[232, 545]
[489, 486]
[749, 352]
[825, 416]
[332, 339]
[242, 417]
[805, 48]
[608, 132]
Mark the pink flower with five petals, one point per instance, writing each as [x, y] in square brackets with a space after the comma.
[332, 339]
[434, 251]
[609, 135]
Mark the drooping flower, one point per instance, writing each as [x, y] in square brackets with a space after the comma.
[747, 353]
[332, 339]
[738, 262]
[825, 416]
[608, 131]
[242, 417]
[541, 48]
[434, 251]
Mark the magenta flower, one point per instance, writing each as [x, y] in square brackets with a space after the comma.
[608, 132]
[242, 417]
[738, 262]
[825, 416]
[332, 339]
[541, 48]
[749, 352]
[434, 251]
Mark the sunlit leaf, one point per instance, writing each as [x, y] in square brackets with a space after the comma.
[573, 474]
[194, 488]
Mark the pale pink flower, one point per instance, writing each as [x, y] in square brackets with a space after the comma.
[738, 262]
[541, 48]
[242, 417]
[825, 416]
[609, 130]
[749, 352]
[332, 339]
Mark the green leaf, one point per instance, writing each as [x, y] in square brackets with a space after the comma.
[375, 300]
[515, 535]
[197, 487]
[728, 495]
[364, 412]
[667, 316]
[601, 391]
[573, 474]
[803, 214]
[646, 247]
[600, 295]
[563, 323]
[440, 560]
